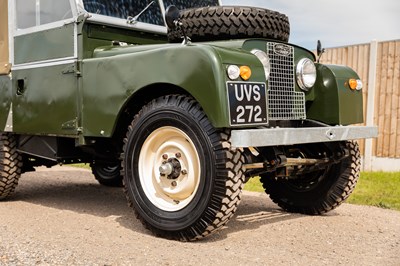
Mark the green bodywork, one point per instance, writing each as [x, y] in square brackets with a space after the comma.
[334, 102]
[87, 97]
[114, 76]
[49, 100]
[5, 99]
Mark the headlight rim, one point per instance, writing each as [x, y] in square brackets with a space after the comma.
[267, 67]
[305, 86]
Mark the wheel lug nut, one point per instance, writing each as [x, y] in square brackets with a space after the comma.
[184, 172]
[165, 156]
[173, 183]
[178, 155]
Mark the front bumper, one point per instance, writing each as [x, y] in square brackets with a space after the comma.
[290, 136]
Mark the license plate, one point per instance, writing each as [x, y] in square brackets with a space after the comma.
[247, 103]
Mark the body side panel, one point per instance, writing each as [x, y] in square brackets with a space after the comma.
[111, 81]
[335, 103]
[5, 99]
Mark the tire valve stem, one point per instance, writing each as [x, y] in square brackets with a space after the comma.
[177, 201]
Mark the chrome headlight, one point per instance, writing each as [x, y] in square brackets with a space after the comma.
[264, 59]
[306, 74]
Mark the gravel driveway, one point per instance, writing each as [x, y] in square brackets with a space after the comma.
[61, 216]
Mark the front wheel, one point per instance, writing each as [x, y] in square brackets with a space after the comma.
[180, 174]
[318, 191]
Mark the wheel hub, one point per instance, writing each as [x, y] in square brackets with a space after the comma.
[171, 168]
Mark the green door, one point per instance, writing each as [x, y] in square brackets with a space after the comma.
[45, 92]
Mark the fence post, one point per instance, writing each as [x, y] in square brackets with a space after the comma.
[373, 51]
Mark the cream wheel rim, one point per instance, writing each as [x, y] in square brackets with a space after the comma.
[169, 169]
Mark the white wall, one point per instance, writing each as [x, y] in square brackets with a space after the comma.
[382, 164]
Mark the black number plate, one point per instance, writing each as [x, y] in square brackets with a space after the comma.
[247, 103]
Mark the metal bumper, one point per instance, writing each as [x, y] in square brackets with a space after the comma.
[289, 136]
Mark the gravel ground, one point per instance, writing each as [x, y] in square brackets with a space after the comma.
[61, 216]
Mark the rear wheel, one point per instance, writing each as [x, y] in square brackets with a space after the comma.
[180, 174]
[107, 174]
[318, 191]
[10, 165]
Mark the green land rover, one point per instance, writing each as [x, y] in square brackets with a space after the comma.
[180, 102]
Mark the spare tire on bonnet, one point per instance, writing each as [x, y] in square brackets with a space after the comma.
[231, 22]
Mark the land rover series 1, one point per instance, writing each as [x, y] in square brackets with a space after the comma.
[180, 108]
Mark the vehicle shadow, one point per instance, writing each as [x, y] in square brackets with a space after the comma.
[78, 191]
[255, 210]
[73, 190]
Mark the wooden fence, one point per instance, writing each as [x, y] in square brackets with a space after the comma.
[378, 65]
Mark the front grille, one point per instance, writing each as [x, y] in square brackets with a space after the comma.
[284, 103]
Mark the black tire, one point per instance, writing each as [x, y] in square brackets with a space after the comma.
[107, 174]
[231, 22]
[320, 191]
[10, 165]
[176, 129]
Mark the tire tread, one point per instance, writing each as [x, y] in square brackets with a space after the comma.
[229, 179]
[10, 165]
[231, 22]
[339, 192]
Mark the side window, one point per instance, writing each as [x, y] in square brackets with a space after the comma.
[32, 13]
[124, 8]
[26, 13]
[54, 10]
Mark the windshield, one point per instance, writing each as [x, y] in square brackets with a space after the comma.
[125, 8]
[153, 15]
[183, 4]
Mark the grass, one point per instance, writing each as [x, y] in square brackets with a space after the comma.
[381, 189]
[254, 185]
[80, 165]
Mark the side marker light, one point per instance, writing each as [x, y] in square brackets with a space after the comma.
[355, 84]
[245, 72]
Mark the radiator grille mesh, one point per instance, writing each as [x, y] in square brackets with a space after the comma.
[284, 103]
